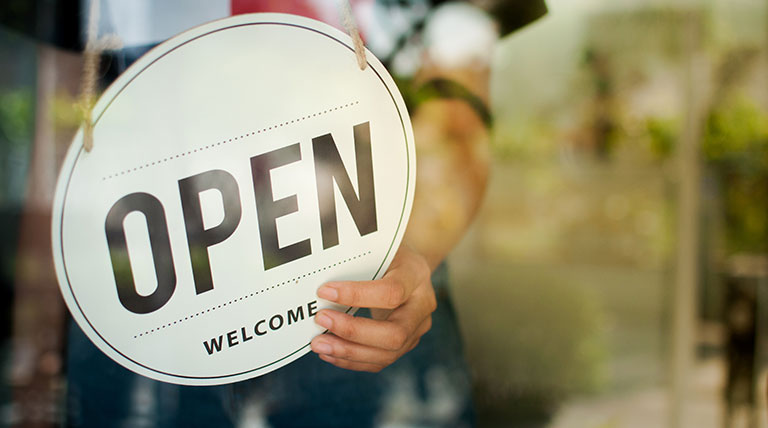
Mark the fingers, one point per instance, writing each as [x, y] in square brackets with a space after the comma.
[406, 273]
[351, 365]
[401, 303]
[335, 347]
[365, 331]
[384, 293]
[354, 356]
[370, 345]
[390, 334]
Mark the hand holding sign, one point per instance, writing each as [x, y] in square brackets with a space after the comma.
[401, 302]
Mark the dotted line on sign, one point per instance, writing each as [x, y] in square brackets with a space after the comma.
[206, 311]
[210, 146]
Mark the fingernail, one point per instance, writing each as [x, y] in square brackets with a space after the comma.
[324, 320]
[328, 293]
[322, 348]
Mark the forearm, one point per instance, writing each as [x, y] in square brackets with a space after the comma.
[453, 158]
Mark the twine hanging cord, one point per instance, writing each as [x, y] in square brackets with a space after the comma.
[348, 20]
[94, 46]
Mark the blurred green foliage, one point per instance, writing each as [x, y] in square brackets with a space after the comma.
[736, 137]
[735, 148]
[735, 152]
[662, 134]
[16, 107]
[17, 127]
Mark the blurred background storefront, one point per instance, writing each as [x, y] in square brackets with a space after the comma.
[617, 274]
[625, 224]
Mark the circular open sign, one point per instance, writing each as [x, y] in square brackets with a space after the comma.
[236, 168]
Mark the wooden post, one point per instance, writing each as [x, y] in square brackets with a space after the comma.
[689, 197]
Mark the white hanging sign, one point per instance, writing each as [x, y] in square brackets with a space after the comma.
[236, 168]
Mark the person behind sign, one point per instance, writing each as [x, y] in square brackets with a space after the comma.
[447, 92]
[441, 56]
